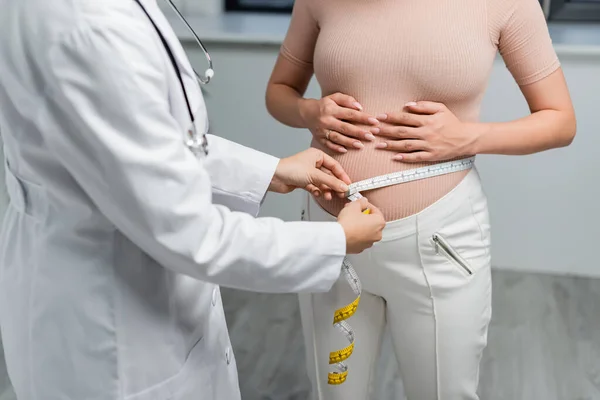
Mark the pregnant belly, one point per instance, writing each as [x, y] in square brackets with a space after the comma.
[396, 201]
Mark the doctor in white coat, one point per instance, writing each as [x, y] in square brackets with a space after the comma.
[116, 237]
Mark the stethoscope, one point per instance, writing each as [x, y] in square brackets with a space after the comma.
[194, 141]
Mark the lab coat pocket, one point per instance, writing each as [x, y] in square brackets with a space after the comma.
[26, 197]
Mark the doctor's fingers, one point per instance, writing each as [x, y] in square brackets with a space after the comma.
[312, 189]
[323, 190]
[363, 204]
[329, 165]
[322, 179]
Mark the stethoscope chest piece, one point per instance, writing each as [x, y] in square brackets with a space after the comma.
[198, 144]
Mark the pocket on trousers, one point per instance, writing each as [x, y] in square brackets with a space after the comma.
[463, 241]
[444, 248]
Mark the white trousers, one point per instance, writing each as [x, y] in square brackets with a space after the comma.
[434, 296]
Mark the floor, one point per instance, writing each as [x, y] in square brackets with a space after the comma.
[544, 343]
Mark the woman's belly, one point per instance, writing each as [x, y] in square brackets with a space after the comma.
[396, 201]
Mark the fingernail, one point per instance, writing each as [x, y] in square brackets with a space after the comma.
[410, 103]
[369, 136]
[397, 157]
[358, 145]
[344, 187]
[382, 117]
[375, 130]
[381, 145]
[372, 120]
[357, 105]
[343, 150]
[316, 193]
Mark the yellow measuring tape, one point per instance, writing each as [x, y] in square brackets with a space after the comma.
[337, 358]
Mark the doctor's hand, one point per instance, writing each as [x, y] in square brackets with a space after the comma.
[332, 120]
[362, 230]
[312, 170]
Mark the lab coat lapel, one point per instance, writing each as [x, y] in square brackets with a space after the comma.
[192, 86]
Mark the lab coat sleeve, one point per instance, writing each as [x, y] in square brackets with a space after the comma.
[109, 123]
[240, 176]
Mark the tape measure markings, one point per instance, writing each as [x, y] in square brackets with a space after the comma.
[407, 176]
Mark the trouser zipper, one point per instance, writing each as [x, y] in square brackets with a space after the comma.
[441, 243]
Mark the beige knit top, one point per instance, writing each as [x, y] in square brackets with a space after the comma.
[386, 53]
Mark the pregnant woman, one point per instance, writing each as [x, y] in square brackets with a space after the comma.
[402, 83]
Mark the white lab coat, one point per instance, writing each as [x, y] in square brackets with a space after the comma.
[116, 237]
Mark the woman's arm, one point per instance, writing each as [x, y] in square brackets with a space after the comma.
[331, 119]
[427, 131]
[551, 123]
[285, 92]
[520, 31]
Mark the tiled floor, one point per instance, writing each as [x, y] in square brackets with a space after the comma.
[544, 343]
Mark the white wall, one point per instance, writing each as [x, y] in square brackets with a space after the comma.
[542, 206]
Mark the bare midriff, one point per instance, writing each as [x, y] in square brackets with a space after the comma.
[397, 201]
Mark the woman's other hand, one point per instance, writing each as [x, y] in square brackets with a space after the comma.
[425, 131]
[333, 119]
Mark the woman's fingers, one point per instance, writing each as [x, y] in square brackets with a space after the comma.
[404, 118]
[403, 146]
[416, 157]
[350, 130]
[400, 132]
[332, 146]
[343, 140]
[348, 114]
[346, 101]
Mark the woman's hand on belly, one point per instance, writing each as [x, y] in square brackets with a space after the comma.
[334, 119]
[425, 131]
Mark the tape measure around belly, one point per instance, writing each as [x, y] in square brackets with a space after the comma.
[407, 176]
[337, 358]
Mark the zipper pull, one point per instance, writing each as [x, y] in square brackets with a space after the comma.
[436, 243]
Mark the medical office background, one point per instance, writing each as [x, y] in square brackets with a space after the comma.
[545, 208]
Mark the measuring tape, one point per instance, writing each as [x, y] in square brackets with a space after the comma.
[337, 358]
